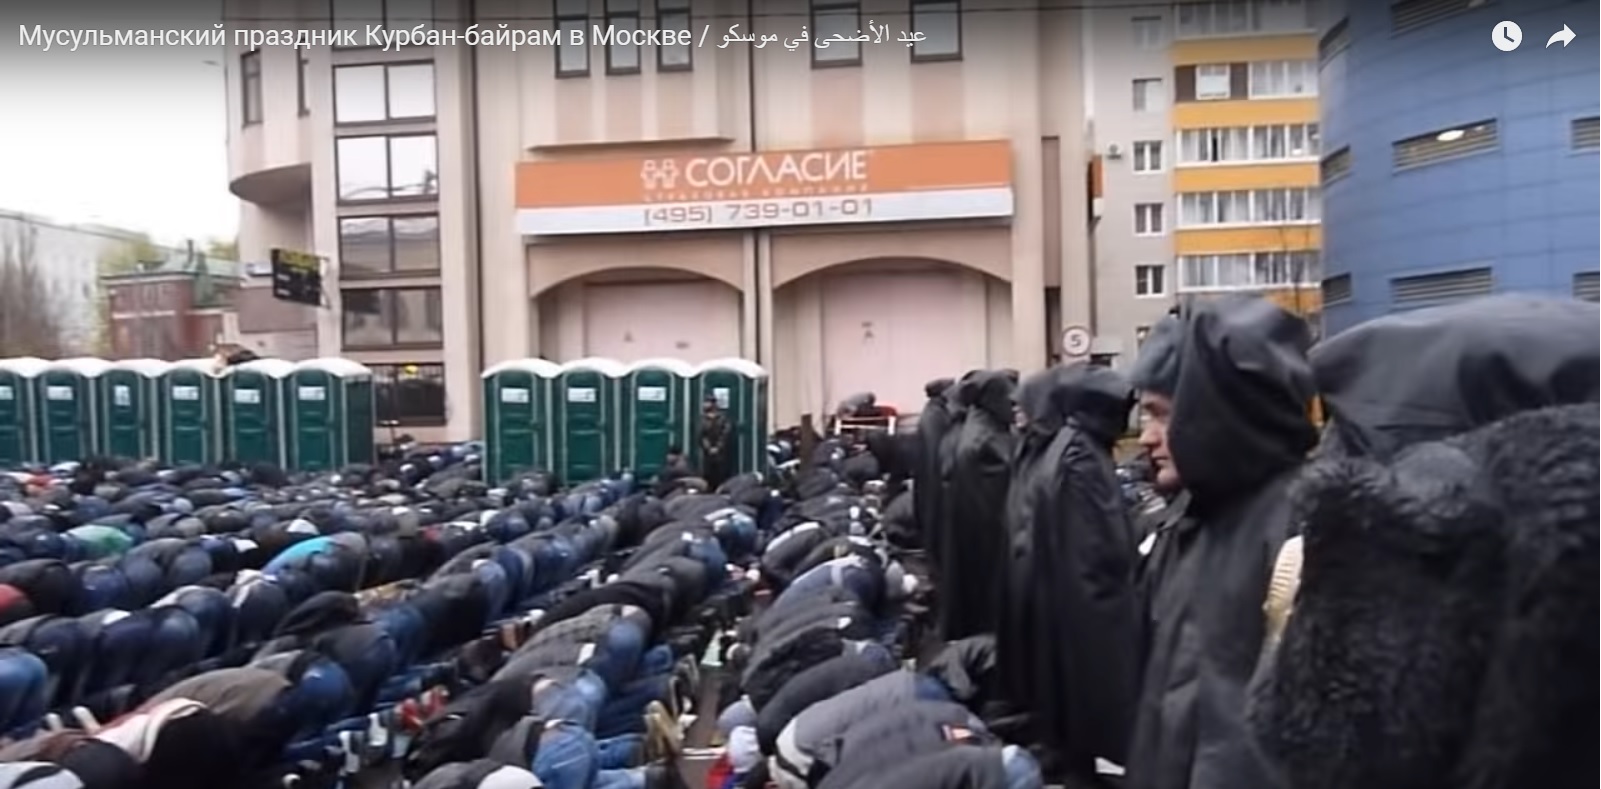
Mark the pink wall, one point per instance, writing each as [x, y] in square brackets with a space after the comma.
[693, 321]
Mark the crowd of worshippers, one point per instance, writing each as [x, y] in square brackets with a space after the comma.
[1403, 596]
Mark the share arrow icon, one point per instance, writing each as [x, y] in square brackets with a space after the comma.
[1565, 35]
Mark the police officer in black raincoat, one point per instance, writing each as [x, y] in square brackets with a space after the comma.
[932, 424]
[1225, 393]
[974, 524]
[1067, 641]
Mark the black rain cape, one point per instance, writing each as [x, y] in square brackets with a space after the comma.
[1067, 641]
[974, 528]
[1237, 434]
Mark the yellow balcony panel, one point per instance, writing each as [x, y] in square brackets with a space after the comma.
[1229, 240]
[1222, 177]
[1243, 112]
[1243, 49]
[1304, 300]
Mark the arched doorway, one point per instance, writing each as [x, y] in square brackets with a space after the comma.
[887, 326]
[640, 313]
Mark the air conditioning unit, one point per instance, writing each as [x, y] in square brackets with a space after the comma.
[1114, 151]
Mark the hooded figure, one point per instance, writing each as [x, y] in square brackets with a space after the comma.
[716, 443]
[1448, 588]
[1071, 571]
[1224, 395]
[975, 545]
[932, 424]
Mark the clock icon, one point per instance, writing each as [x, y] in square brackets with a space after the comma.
[1507, 36]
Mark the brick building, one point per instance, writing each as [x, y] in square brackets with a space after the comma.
[171, 308]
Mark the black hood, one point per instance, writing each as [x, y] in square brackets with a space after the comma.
[990, 391]
[1243, 390]
[1429, 374]
[936, 389]
[1156, 369]
[1096, 398]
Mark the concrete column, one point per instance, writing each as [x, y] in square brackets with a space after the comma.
[1028, 223]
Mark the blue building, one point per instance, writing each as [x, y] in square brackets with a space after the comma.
[1451, 168]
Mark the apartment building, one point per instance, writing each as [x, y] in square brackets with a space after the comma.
[865, 216]
[1205, 118]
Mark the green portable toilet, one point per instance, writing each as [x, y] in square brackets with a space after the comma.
[740, 388]
[253, 411]
[330, 415]
[126, 397]
[518, 415]
[656, 413]
[65, 414]
[19, 422]
[188, 413]
[586, 434]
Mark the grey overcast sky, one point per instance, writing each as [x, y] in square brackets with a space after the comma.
[133, 137]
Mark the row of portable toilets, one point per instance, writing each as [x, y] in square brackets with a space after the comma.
[589, 417]
[581, 420]
[312, 415]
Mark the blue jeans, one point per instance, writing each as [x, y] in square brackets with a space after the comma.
[624, 712]
[569, 757]
[23, 688]
[1022, 772]
[617, 657]
[579, 700]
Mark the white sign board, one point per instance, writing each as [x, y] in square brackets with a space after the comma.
[315, 394]
[514, 395]
[7, 394]
[186, 393]
[581, 395]
[121, 395]
[58, 392]
[721, 394]
[247, 396]
[1076, 342]
[652, 394]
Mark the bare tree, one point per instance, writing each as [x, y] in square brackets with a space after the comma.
[33, 319]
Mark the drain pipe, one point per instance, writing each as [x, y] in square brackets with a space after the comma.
[478, 199]
[758, 235]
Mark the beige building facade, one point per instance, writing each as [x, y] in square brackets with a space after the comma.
[865, 216]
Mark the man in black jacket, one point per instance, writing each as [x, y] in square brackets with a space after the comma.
[1067, 641]
[1450, 587]
[1225, 390]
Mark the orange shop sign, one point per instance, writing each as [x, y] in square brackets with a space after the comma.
[898, 183]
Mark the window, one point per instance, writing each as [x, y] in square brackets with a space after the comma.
[356, 15]
[572, 60]
[397, 91]
[384, 168]
[1337, 290]
[1283, 79]
[1241, 17]
[673, 15]
[1212, 82]
[835, 18]
[1429, 289]
[1250, 207]
[622, 57]
[1409, 15]
[1275, 142]
[1587, 286]
[940, 22]
[1337, 40]
[1148, 219]
[1147, 156]
[1149, 95]
[1150, 280]
[1148, 32]
[1248, 270]
[1335, 166]
[1586, 134]
[384, 317]
[377, 245]
[300, 84]
[250, 86]
[1444, 145]
[409, 395]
